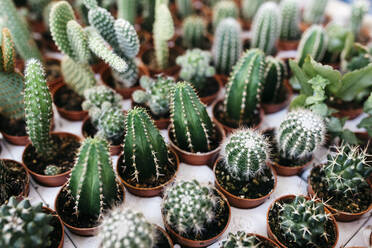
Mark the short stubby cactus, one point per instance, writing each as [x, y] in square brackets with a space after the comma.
[244, 240]
[194, 30]
[93, 164]
[52, 170]
[24, 225]
[224, 9]
[266, 27]
[250, 7]
[227, 45]
[275, 73]
[100, 95]
[314, 11]
[196, 68]
[184, 7]
[110, 123]
[124, 228]
[291, 18]
[300, 134]
[313, 42]
[359, 9]
[191, 127]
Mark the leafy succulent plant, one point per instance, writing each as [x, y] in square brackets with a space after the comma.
[314, 11]
[275, 73]
[127, 10]
[184, 7]
[194, 30]
[359, 9]
[290, 20]
[354, 56]
[250, 7]
[224, 9]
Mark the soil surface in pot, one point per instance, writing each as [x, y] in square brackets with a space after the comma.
[282, 96]
[68, 99]
[13, 127]
[56, 235]
[52, 69]
[253, 189]
[15, 180]
[153, 116]
[352, 204]
[210, 88]
[149, 58]
[89, 130]
[161, 240]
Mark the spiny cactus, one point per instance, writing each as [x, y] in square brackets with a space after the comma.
[93, 164]
[191, 126]
[194, 29]
[184, 7]
[314, 11]
[275, 73]
[224, 9]
[124, 228]
[300, 134]
[266, 27]
[110, 122]
[23, 225]
[359, 9]
[227, 45]
[127, 10]
[36, 8]
[250, 7]
[196, 68]
[242, 240]
[291, 18]
[148, 13]
[313, 42]
[99, 96]
[52, 170]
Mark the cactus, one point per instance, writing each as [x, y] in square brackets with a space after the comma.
[291, 18]
[194, 30]
[196, 68]
[148, 13]
[110, 122]
[93, 164]
[127, 10]
[243, 92]
[250, 7]
[359, 9]
[36, 8]
[227, 45]
[184, 7]
[275, 73]
[145, 151]
[23, 225]
[314, 11]
[137, 232]
[191, 127]
[313, 42]
[300, 134]
[100, 95]
[52, 170]
[243, 240]
[224, 9]
[266, 27]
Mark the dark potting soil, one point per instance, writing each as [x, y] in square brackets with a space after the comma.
[89, 130]
[153, 116]
[253, 189]
[16, 180]
[52, 69]
[161, 240]
[56, 235]
[64, 157]
[321, 242]
[149, 59]
[356, 203]
[210, 88]
[13, 127]
[68, 99]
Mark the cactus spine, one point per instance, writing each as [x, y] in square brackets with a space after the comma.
[275, 73]
[314, 11]
[127, 10]
[250, 7]
[359, 9]
[224, 9]
[242, 240]
[291, 17]
[184, 7]
[110, 123]
[194, 29]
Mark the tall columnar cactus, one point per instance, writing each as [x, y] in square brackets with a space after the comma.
[243, 93]
[194, 30]
[224, 9]
[266, 27]
[145, 151]
[196, 68]
[275, 73]
[23, 225]
[93, 164]
[188, 206]
[291, 18]
[191, 126]
[300, 134]
[100, 95]
[242, 240]
[250, 7]
[138, 232]
[313, 42]
[184, 7]
[38, 109]
[127, 10]
[227, 45]
[314, 11]
[359, 9]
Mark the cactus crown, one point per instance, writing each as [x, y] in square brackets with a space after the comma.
[188, 206]
[359, 9]
[242, 240]
[224, 9]
[314, 11]
[250, 7]
[291, 17]
[194, 29]
[23, 225]
[99, 96]
[300, 134]
[275, 73]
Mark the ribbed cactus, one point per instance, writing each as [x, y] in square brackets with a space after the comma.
[300, 134]
[266, 27]
[137, 231]
[100, 95]
[145, 152]
[191, 127]
[38, 109]
[148, 13]
[314, 11]
[243, 93]
[23, 225]
[243, 240]
[250, 7]
[359, 9]
[184, 7]
[227, 45]
[52, 170]
[313, 42]
[291, 18]
[110, 123]
[275, 73]
[196, 68]
[188, 206]
[224, 9]
[93, 164]
[194, 30]
[127, 10]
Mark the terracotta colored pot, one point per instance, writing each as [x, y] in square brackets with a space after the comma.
[52, 84]
[26, 190]
[264, 238]
[16, 140]
[52, 212]
[239, 202]
[287, 45]
[351, 114]
[50, 181]
[206, 158]
[208, 100]
[160, 123]
[290, 170]
[170, 242]
[273, 236]
[276, 107]
[148, 192]
[224, 79]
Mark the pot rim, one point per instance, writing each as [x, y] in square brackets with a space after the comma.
[276, 164]
[55, 89]
[264, 238]
[54, 213]
[25, 192]
[283, 104]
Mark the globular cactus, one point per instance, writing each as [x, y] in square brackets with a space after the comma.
[124, 228]
[196, 68]
[314, 11]
[291, 18]
[110, 122]
[100, 95]
[313, 42]
[191, 127]
[145, 152]
[227, 45]
[93, 164]
[184, 7]
[52, 170]
[300, 134]
[243, 93]
[127, 10]
[359, 9]
[266, 27]
[250, 7]
[275, 73]
[224, 9]
[24, 225]
[194, 30]
[188, 206]
[242, 240]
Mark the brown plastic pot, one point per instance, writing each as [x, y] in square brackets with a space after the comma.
[224, 79]
[16, 140]
[271, 108]
[351, 114]
[287, 45]
[26, 189]
[54, 213]
[50, 181]
[206, 158]
[148, 192]
[290, 170]
[170, 242]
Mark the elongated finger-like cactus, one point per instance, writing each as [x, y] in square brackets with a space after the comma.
[359, 9]
[127, 10]
[314, 11]
[275, 73]
[250, 7]
[224, 9]
[194, 30]
[291, 18]
[184, 7]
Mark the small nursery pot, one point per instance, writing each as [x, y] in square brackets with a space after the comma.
[350, 113]
[271, 108]
[52, 212]
[199, 158]
[290, 170]
[287, 45]
[16, 140]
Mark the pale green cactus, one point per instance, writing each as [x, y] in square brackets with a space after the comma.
[314, 11]
[127, 10]
[359, 9]
[194, 30]
[224, 9]
[291, 18]
[250, 7]
[52, 170]
[184, 7]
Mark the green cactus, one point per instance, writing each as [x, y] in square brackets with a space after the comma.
[291, 18]
[127, 10]
[227, 45]
[275, 73]
[196, 68]
[314, 11]
[52, 170]
[184, 7]
[337, 36]
[23, 225]
[191, 127]
[266, 27]
[148, 13]
[250, 7]
[244, 240]
[194, 30]
[224, 9]
[100, 95]
[36, 8]
[359, 9]
[110, 124]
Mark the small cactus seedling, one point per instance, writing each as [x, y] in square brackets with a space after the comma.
[194, 30]
[275, 73]
[359, 9]
[99, 96]
[184, 7]
[291, 18]
[23, 225]
[243, 240]
[250, 7]
[52, 170]
[224, 9]
[314, 11]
